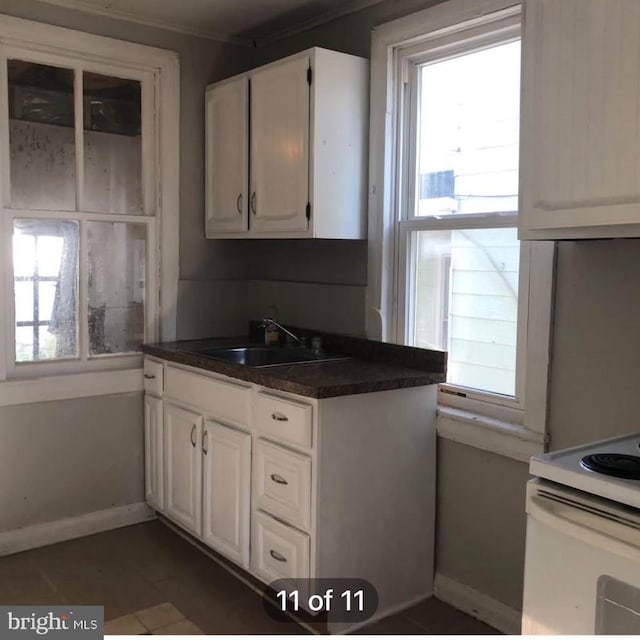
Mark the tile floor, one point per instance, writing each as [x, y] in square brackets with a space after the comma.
[149, 577]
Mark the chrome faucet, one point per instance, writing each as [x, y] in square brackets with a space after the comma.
[267, 321]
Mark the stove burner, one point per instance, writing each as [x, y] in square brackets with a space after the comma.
[613, 464]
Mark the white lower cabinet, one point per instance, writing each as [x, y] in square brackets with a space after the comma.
[183, 466]
[226, 492]
[290, 487]
[153, 452]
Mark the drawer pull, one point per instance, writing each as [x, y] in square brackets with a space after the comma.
[205, 443]
[148, 376]
[279, 417]
[278, 479]
[193, 436]
[277, 556]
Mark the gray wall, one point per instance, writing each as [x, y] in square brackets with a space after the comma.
[64, 458]
[596, 353]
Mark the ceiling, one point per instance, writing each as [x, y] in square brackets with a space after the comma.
[241, 21]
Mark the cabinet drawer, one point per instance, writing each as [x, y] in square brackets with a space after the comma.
[285, 419]
[278, 551]
[220, 398]
[283, 483]
[153, 377]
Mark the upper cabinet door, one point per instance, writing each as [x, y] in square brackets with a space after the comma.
[227, 177]
[280, 147]
[580, 151]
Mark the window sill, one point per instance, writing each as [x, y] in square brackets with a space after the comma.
[70, 386]
[497, 436]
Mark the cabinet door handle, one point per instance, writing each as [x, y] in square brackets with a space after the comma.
[277, 556]
[148, 376]
[279, 417]
[253, 203]
[239, 204]
[193, 435]
[278, 479]
[205, 448]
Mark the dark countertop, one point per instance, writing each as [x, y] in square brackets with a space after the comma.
[372, 366]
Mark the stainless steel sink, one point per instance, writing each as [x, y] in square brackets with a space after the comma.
[266, 356]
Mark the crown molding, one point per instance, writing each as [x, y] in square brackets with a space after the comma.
[350, 6]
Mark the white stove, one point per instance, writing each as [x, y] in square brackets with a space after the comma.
[567, 468]
[582, 562]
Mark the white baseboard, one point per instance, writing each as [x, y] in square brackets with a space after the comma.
[40, 535]
[478, 605]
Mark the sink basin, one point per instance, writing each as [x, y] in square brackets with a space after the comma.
[266, 356]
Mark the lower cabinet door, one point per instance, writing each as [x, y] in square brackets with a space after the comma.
[183, 467]
[153, 452]
[226, 490]
[277, 550]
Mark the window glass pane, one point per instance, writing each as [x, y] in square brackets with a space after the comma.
[24, 301]
[112, 144]
[41, 136]
[466, 302]
[468, 139]
[45, 298]
[116, 286]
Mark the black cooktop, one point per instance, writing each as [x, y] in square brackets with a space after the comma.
[618, 465]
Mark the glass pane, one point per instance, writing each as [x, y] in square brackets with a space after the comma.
[41, 136]
[24, 301]
[24, 344]
[45, 298]
[49, 255]
[112, 144]
[116, 286]
[466, 302]
[24, 255]
[468, 140]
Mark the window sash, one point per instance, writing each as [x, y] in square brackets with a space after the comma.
[84, 361]
[149, 130]
[408, 59]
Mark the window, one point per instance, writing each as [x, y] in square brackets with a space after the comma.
[84, 189]
[446, 268]
[459, 201]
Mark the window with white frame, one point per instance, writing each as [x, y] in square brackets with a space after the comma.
[82, 185]
[461, 268]
[446, 269]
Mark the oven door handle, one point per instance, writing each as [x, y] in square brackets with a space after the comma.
[597, 530]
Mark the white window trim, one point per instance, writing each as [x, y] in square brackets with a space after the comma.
[514, 432]
[164, 249]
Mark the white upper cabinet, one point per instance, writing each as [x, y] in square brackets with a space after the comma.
[580, 148]
[280, 147]
[307, 157]
[227, 136]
